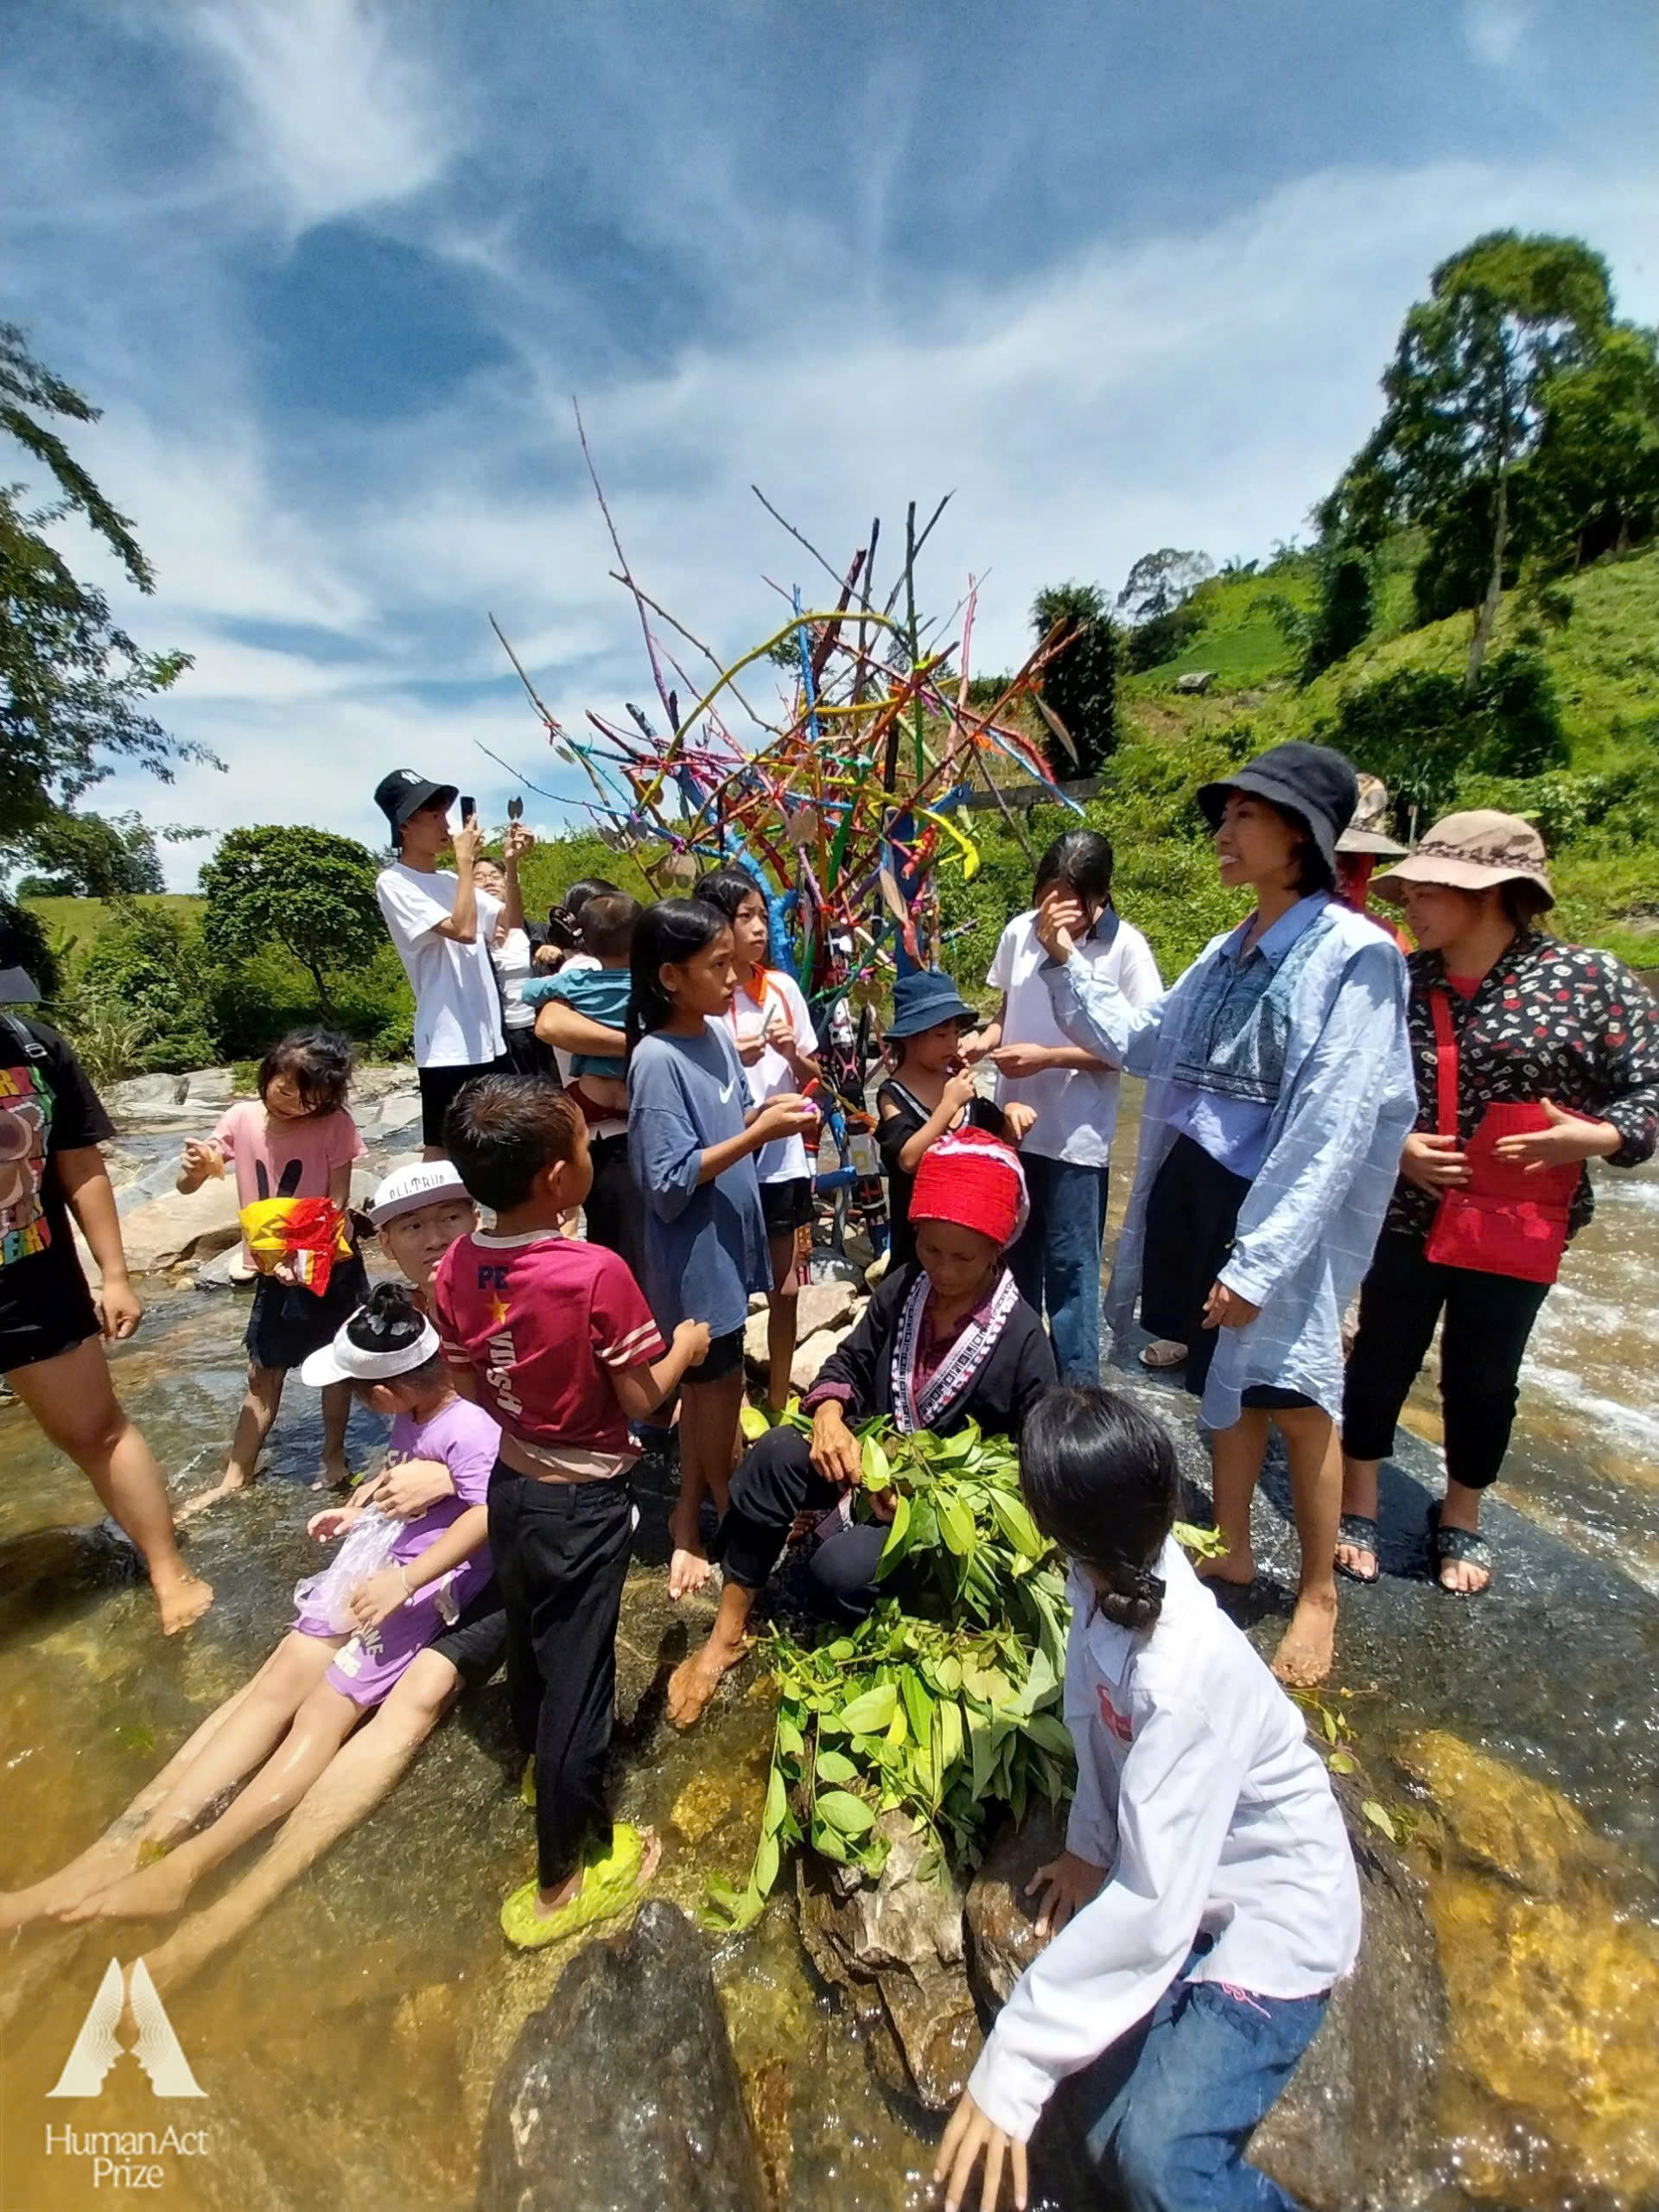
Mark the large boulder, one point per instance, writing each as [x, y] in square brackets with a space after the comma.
[1355, 2123]
[165, 1231]
[621, 2094]
[895, 1946]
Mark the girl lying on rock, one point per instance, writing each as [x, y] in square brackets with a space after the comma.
[363, 1628]
[1206, 1900]
[945, 1340]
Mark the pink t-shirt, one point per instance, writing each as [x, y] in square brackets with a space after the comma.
[279, 1159]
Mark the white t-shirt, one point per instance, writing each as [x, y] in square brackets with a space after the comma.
[457, 1005]
[512, 965]
[1075, 1108]
[784, 1160]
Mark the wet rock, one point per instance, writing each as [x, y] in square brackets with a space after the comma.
[1501, 1820]
[896, 1946]
[621, 2094]
[164, 1231]
[1352, 2129]
[1553, 1994]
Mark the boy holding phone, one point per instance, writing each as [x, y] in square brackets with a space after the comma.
[443, 924]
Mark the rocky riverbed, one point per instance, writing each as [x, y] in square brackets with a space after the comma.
[1497, 2048]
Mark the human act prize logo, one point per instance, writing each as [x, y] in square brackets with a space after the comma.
[126, 2157]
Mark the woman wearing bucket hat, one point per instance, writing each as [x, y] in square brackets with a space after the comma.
[945, 1341]
[1279, 1093]
[1532, 1057]
[929, 1092]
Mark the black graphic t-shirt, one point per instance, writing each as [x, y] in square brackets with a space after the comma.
[1549, 1020]
[47, 1107]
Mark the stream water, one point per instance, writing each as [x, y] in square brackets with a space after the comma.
[347, 2045]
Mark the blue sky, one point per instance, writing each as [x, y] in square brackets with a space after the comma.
[1120, 277]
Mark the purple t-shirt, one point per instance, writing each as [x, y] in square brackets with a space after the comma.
[463, 1436]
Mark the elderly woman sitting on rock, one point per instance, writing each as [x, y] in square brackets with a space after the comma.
[945, 1340]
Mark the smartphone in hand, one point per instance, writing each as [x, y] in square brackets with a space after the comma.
[468, 809]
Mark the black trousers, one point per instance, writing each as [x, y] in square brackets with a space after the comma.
[775, 1481]
[616, 1207]
[1488, 1320]
[561, 1552]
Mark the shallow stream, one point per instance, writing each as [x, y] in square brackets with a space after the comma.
[348, 2044]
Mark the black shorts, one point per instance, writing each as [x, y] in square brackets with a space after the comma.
[288, 1323]
[725, 1356]
[527, 1055]
[477, 1643]
[786, 1205]
[53, 1313]
[438, 1088]
[1191, 1219]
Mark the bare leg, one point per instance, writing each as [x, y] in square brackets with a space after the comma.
[365, 1769]
[1460, 1509]
[253, 1424]
[1236, 1455]
[260, 1721]
[1308, 1645]
[320, 1728]
[708, 1428]
[1358, 1496]
[336, 1412]
[117, 1851]
[694, 1681]
[73, 1400]
[781, 1310]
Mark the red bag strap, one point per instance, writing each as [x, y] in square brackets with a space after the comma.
[1446, 1063]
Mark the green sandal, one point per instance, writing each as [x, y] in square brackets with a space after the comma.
[527, 1783]
[610, 1884]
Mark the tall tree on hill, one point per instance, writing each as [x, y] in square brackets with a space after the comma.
[1080, 686]
[74, 686]
[1156, 601]
[308, 890]
[1466, 393]
[87, 856]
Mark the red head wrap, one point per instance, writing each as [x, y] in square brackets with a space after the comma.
[975, 1181]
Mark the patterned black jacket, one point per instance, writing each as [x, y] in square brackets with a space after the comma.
[1550, 1020]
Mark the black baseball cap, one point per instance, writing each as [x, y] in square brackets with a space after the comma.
[1319, 786]
[404, 792]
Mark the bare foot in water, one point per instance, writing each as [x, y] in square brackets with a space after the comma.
[334, 1474]
[182, 1597]
[689, 1569]
[694, 1681]
[1237, 1568]
[1308, 1647]
[106, 1862]
[226, 1487]
[152, 1893]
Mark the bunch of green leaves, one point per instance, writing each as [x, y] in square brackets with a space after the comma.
[943, 1705]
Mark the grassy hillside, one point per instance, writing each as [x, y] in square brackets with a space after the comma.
[83, 921]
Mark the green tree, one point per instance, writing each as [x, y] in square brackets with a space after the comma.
[1080, 686]
[1423, 732]
[305, 890]
[1595, 479]
[38, 961]
[74, 686]
[1466, 393]
[1157, 603]
[88, 857]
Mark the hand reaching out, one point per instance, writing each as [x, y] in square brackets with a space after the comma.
[1066, 1884]
[968, 2135]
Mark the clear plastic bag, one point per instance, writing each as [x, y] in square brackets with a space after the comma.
[364, 1549]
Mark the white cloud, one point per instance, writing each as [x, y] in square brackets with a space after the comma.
[334, 110]
[1495, 30]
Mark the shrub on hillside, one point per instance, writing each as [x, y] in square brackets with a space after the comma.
[1422, 732]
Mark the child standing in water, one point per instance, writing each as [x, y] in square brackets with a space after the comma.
[692, 1138]
[553, 1335]
[776, 1042]
[295, 1140]
[1206, 1899]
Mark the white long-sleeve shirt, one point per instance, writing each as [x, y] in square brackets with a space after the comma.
[1198, 1790]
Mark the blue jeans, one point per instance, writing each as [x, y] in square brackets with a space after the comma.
[1174, 2101]
[1056, 1262]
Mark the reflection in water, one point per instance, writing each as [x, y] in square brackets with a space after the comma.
[349, 2044]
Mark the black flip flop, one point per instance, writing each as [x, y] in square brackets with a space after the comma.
[1360, 1530]
[1463, 1546]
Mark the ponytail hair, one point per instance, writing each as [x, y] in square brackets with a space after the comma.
[1101, 1480]
[665, 935]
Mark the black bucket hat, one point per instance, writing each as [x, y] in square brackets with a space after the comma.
[403, 792]
[1319, 786]
[16, 985]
